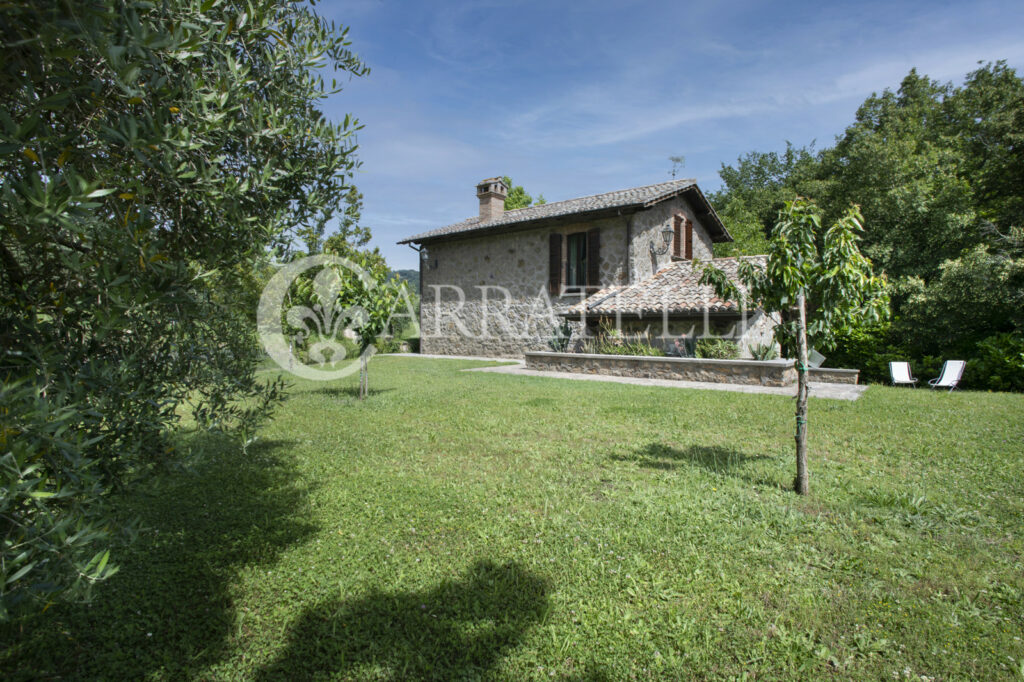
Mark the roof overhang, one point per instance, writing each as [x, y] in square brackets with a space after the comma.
[704, 211]
[554, 221]
[702, 208]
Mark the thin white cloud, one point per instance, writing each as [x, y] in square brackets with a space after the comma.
[615, 111]
[948, 63]
[411, 154]
[401, 220]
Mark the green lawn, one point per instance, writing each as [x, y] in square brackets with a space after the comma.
[464, 525]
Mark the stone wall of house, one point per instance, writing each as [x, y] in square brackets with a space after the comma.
[749, 372]
[507, 275]
[646, 229]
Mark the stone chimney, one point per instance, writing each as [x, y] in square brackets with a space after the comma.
[491, 193]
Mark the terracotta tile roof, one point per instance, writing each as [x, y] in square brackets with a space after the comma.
[634, 198]
[675, 288]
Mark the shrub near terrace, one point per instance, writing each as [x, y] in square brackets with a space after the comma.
[717, 349]
[610, 340]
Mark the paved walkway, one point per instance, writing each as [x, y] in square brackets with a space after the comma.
[454, 357]
[818, 390]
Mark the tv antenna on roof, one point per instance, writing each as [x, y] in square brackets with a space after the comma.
[677, 163]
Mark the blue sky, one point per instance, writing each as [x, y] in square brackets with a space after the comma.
[588, 96]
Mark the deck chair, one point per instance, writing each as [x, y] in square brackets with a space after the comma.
[952, 370]
[900, 374]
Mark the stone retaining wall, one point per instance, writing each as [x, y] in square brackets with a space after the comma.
[831, 375]
[750, 372]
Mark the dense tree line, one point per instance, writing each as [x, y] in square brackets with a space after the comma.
[938, 171]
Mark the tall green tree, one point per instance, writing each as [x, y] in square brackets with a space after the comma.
[986, 123]
[150, 156]
[518, 197]
[816, 282]
[976, 295]
[897, 161]
[347, 229]
[756, 188]
[934, 167]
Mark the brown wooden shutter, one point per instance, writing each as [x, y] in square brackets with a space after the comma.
[594, 257]
[677, 236]
[555, 264]
[689, 240]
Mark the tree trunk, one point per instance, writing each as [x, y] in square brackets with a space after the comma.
[800, 483]
[363, 378]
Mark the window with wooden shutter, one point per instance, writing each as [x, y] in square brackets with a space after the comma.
[688, 251]
[677, 236]
[555, 264]
[594, 258]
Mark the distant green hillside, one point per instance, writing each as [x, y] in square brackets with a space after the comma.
[412, 277]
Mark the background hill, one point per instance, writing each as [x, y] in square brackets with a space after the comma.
[412, 277]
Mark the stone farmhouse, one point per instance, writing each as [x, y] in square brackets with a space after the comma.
[502, 282]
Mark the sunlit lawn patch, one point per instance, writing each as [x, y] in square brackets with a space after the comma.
[458, 524]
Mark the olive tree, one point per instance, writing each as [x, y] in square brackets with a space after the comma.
[151, 156]
[815, 283]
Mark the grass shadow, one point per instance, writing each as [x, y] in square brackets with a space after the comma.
[714, 458]
[169, 611]
[349, 391]
[458, 630]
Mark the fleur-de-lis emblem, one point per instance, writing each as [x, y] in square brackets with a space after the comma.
[326, 319]
[321, 321]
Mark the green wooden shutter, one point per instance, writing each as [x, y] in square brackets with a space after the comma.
[555, 264]
[594, 257]
[677, 235]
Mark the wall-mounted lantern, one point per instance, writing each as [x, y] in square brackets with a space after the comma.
[667, 233]
[425, 257]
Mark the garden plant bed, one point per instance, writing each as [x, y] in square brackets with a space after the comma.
[749, 372]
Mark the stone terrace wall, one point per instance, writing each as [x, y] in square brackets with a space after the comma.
[750, 372]
[831, 375]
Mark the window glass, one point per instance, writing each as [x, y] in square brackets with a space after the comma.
[577, 260]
